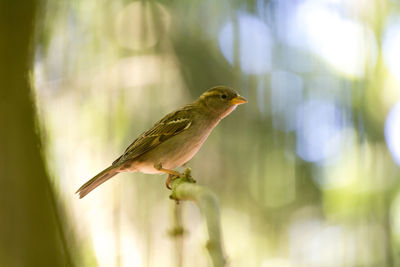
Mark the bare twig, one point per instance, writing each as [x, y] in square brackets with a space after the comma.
[177, 231]
[184, 188]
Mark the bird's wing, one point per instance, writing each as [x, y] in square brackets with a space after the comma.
[171, 125]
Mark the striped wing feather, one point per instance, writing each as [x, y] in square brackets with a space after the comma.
[169, 126]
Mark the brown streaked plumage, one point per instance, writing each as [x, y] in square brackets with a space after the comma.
[173, 140]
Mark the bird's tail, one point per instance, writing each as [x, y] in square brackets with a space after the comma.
[97, 180]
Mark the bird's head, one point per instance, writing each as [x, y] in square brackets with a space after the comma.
[221, 100]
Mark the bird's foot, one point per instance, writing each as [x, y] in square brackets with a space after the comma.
[172, 174]
[185, 177]
[159, 167]
[170, 178]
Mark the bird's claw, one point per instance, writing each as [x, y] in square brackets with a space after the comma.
[170, 178]
[186, 175]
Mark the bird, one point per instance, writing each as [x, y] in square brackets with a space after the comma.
[173, 140]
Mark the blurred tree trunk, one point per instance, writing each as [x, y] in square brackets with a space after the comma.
[29, 232]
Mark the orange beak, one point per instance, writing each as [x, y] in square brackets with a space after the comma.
[238, 100]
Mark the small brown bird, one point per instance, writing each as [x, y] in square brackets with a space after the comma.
[173, 140]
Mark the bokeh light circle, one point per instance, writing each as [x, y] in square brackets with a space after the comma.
[392, 132]
[390, 47]
[343, 43]
[140, 25]
[319, 127]
[255, 44]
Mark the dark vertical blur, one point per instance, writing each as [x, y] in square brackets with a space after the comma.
[30, 233]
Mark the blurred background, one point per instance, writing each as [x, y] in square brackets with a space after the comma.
[306, 173]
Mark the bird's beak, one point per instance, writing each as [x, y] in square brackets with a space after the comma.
[238, 100]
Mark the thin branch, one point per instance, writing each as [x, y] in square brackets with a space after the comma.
[177, 233]
[184, 188]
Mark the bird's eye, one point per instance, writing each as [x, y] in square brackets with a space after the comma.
[223, 96]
